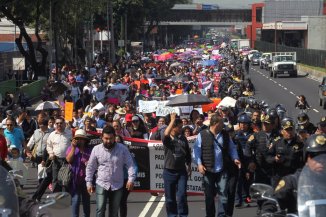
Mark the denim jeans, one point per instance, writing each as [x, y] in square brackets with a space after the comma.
[175, 188]
[114, 201]
[214, 183]
[83, 196]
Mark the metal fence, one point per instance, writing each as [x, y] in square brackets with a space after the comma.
[306, 56]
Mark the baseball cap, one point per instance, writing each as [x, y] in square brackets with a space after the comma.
[287, 124]
[302, 118]
[128, 117]
[322, 122]
[135, 118]
[266, 119]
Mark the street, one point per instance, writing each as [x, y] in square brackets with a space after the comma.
[273, 90]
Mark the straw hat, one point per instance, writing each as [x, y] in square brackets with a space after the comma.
[81, 134]
[121, 111]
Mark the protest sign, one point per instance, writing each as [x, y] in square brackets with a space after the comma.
[147, 106]
[69, 108]
[163, 110]
[149, 157]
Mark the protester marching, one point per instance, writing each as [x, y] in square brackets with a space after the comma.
[179, 121]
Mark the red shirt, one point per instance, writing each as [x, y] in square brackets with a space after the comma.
[3, 147]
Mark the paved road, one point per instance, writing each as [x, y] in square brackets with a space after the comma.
[141, 204]
[285, 90]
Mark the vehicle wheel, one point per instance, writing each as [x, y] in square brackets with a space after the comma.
[271, 74]
[295, 75]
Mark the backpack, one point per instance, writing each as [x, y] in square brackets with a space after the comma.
[64, 175]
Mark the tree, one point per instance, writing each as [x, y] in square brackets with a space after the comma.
[27, 13]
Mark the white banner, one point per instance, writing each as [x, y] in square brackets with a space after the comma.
[156, 153]
[163, 110]
[147, 106]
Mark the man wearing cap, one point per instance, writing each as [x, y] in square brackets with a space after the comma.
[10, 114]
[321, 126]
[256, 150]
[285, 155]
[303, 119]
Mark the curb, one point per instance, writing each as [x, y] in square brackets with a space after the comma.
[311, 73]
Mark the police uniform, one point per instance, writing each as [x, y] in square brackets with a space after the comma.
[256, 149]
[290, 153]
[285, 193]
[303, 120]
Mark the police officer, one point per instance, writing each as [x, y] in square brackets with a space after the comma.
[285, 155]
[303, 119]
[256, 150]
[286, 190]
[241, 138]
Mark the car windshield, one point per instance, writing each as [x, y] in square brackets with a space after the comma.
[283, 58]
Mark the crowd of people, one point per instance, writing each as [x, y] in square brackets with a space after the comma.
[235, 146]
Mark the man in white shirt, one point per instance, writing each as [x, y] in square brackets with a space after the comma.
[57, 145]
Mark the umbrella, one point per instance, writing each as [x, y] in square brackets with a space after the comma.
[188, 100]
[119, 87]
[59, 87]
[165, 56]
[47, 105]
[209, 63]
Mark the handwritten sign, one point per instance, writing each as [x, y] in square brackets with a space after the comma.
[163, 110]
[147, 106]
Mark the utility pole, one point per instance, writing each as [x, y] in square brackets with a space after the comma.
[275, 34]
[50, 38]
[112, 51]
[126, 31]
[108, 29]
[92, 33]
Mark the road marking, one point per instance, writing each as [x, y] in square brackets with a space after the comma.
[316, 110]
[147, 207]
[292, 93]
[275, 82]
[285, 88]
[280, 85]
[158, 207]
[270, 79]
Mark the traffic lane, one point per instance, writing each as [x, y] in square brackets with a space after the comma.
[301, 85]
[139, 204]
[282, 91]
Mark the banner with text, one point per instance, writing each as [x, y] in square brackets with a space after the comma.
[149, 156]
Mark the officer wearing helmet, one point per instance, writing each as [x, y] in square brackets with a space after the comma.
[287, 188]
[256, 150]
[241, 137]
[285, 155]
[303, 119]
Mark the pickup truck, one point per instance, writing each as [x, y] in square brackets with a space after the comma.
[322, 93]
[283, 63]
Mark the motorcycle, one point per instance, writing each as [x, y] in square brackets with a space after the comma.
[14, 204]
[312, 189]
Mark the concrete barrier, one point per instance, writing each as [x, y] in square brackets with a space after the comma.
[316, 74]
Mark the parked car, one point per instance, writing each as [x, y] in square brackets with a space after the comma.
[322, 93]
[251, 53]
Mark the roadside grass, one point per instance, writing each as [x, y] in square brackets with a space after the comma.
[320, 69]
